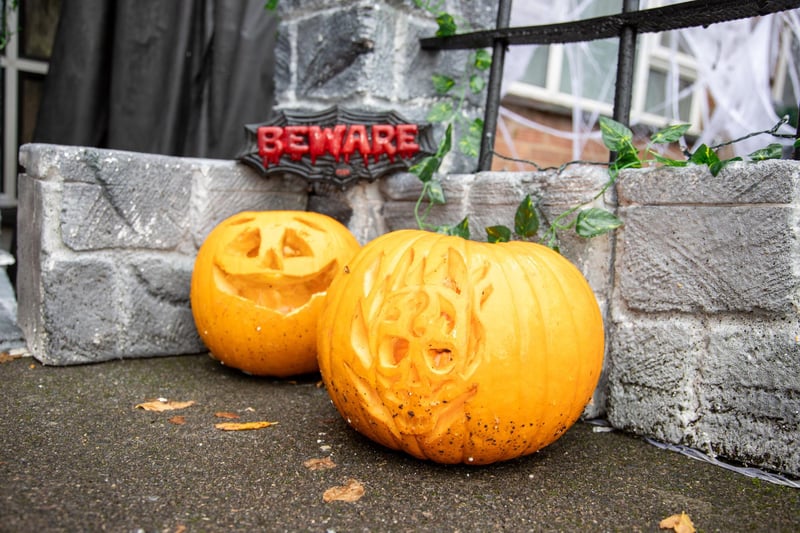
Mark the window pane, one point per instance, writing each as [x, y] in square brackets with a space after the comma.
[658, 92]
[31, 86]
[536, 72]
[38, 22]
[589, 70]
[601, 8]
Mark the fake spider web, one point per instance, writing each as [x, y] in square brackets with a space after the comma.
[737, 63]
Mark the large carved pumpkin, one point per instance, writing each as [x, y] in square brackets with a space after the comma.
[460, 351]
[259, 286]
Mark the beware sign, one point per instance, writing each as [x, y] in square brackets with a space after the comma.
[336, 145]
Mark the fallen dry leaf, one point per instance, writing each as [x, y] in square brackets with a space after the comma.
[322, 463]
[7, 357]
[13, 354]
[351, 492]
[226, 414]
[178, 420]
[162, 404]
[243, 426]
[679, 523]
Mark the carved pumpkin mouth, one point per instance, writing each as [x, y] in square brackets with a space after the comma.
[274, 266]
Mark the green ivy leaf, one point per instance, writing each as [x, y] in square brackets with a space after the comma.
[459, 230]
[668, 162]
[446, 143]
[435, 192]
[670, 134]
[476, 83]
[426, 168]
[796, 143]
[772, 151]
[470, 143]
[704, 156]
[616, 136]
[271, 5]
[719, 165]
[476, 127]
[595, 221]
[526, 220]
[441, 112]
[483, 59]
[447, 25]
[627, 158]
[468, 146]
[442, 83]
[498, 234]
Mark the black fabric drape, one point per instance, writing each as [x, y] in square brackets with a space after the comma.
[175, 77]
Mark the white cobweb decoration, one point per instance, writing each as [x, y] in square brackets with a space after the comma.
[736, 63]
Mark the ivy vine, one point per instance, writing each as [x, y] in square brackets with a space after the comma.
[451, 113]
[589, 222]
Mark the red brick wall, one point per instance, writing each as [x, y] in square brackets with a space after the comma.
[548, 150]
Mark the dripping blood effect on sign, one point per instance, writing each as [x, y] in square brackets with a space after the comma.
[339, 141]
[336, 145]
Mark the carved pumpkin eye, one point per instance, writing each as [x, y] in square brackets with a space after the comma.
[258, 286]
[458, 351]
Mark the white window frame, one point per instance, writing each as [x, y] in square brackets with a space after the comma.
[12, 65]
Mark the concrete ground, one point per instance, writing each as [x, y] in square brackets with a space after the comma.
[77, 455]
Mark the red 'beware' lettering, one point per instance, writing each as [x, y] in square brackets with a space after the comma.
[337, 141]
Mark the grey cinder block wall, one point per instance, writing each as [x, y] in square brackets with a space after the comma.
[703, 327]
[702, 292]
[705, 349]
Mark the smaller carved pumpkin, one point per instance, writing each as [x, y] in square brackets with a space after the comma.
[259, 285]
[460, 351]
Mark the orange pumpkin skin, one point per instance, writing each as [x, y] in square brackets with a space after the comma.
[259, 285]
[460, 351]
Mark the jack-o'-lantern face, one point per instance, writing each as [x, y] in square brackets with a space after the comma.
[423, 332]
[258, 287]
[459, 351]
[279, 264]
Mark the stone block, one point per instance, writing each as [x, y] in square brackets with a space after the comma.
[77, 317]
[651, 376]
[708, 258]
[37, 205]
[416, 67]
[158, 318]
[749, 394]
[401, 192]
[224, 188]
[115, 199]
[771, 182]
[351, 61]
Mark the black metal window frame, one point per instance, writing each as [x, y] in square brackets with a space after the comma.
[625, 26]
